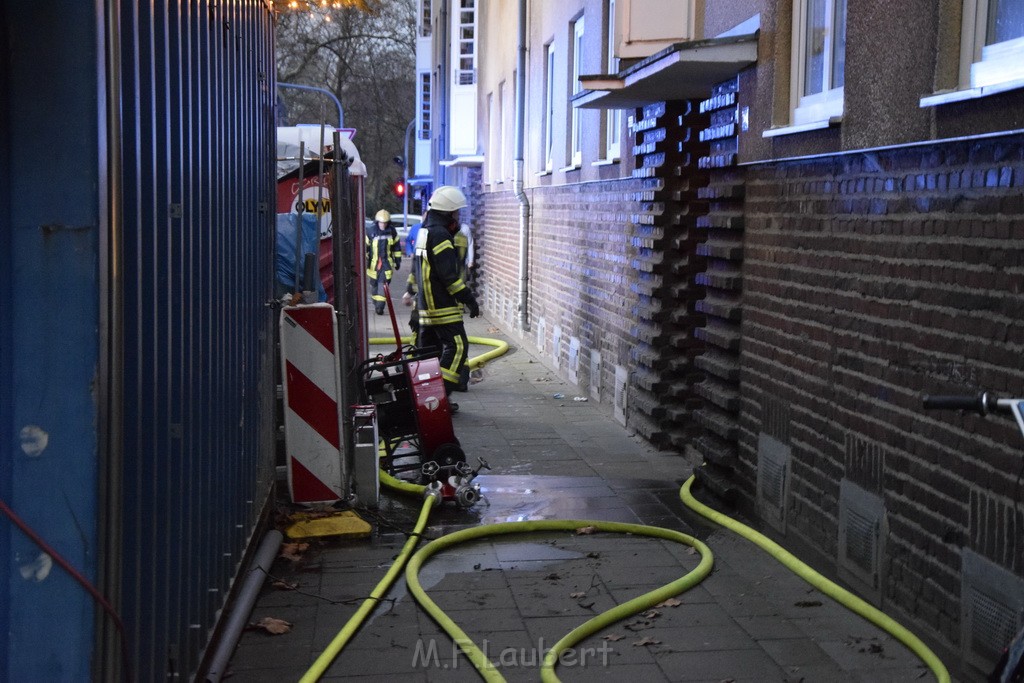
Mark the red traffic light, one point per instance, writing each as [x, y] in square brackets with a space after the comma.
[399, 188]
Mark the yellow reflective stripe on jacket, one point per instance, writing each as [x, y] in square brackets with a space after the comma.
[441, 316]
[456, 286]
[445, 244]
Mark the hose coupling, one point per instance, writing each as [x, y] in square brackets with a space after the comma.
[432, 492]
[467, 495]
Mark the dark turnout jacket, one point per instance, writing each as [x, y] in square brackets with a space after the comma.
[439, 286]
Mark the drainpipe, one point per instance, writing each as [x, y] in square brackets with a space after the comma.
[238, 617]
[442, 87]
[518, 175]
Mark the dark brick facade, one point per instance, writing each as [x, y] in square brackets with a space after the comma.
[580, 269]
[870, 280]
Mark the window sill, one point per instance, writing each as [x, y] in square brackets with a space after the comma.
[566, 169]
[970, 93]
[802, 127]
[605, 162]
[541, 174]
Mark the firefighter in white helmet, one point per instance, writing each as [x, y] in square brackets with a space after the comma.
[441, 292]
[383, 257]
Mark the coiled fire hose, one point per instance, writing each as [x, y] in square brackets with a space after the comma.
[487, 669]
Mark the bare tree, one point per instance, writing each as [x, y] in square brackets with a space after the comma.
[367, 57]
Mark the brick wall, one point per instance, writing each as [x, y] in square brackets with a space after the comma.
[580, 270]
[870, 280]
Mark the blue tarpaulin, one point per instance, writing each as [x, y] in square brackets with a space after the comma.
[284, 260]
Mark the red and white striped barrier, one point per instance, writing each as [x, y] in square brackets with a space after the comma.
[312, 384]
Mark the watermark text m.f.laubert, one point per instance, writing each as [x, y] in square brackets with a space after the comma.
[428, 653]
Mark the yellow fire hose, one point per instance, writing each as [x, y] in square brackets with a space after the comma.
[368, 605]
[500, 347]
[832, 590]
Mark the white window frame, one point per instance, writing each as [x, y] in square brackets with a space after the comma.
[827, 105]
[612, 117]
[576, 137]
[426, 27]
[983, 64]
[502, 126]
[549, 107]
[425, 118]
[491, 135]
[467, 52]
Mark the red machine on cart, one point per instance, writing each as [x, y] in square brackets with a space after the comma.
[415, 420]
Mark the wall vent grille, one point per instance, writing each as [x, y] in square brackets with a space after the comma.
[861, 537]
[773, 458]
[992, 609]
[621, 378]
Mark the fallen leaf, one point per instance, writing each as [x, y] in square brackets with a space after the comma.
[613, 637]
[578, 594]
[808, 603]
[586, 530]
[553, 576]
[282, 585]
[652, 614]
[293, 551]
[639, 625]
[594, 555]
[646, 641]
[586, 605]
[273, 626]
[671, 602]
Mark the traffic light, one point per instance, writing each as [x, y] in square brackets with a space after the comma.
[399, 188]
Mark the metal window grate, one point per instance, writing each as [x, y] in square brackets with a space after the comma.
[861, 537]
[992, 624]
[595, 374]
[621, 379]
[773, 458]
[861, 540]
[991, 609]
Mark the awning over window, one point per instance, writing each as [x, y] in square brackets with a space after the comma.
[683, 71]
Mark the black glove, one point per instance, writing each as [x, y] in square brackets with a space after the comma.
[474, 308]
[398, 264]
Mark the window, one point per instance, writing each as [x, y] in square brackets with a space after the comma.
[492, 140]
[424, 127]
[507, 130]
[466, 74]
[500, 176]
[577, 60]
[425, 19]
[992, 42]
[819, 58]
[549, 105]
[612, 117]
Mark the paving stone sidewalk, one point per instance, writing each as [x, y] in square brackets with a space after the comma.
[556, 458]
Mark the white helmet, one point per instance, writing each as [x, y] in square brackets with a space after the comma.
[447, 198]
[383, 216]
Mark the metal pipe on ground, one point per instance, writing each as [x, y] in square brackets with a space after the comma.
[242, 607]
